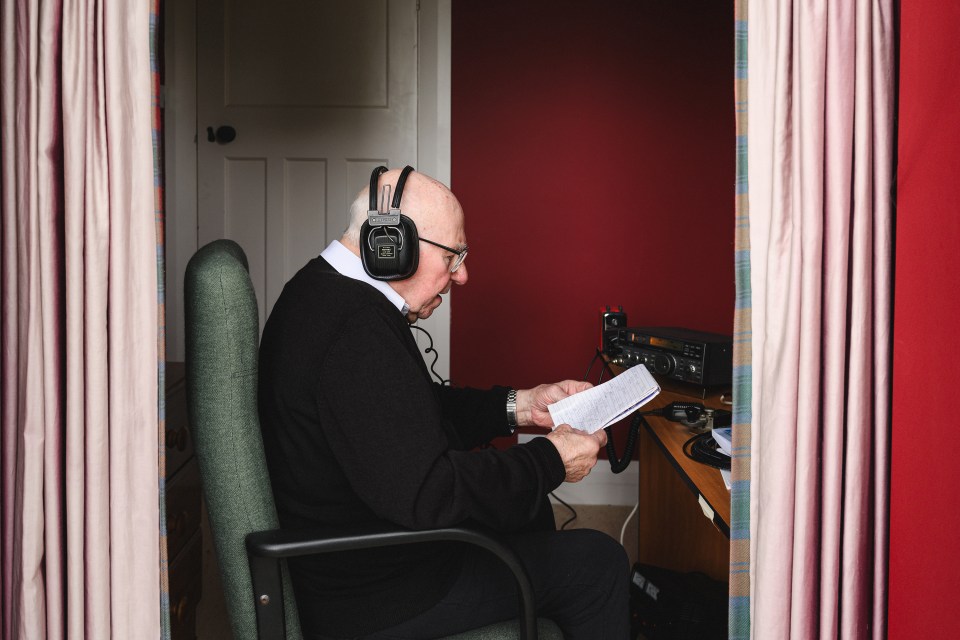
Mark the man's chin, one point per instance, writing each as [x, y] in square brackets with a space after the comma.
[425, 312]
[429, 308]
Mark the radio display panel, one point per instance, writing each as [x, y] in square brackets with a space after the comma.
[666, 344]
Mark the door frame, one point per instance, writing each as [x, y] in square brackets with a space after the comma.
[179, 103]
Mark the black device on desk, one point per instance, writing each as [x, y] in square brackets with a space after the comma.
[695, 357]
[611, 320]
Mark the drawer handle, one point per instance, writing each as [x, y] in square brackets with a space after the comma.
[177, 438]
[180, 609]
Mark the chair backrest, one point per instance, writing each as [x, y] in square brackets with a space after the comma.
[222, 331]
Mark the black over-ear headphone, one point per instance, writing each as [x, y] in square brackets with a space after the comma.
[389, 243]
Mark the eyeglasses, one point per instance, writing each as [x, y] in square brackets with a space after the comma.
[460, 252]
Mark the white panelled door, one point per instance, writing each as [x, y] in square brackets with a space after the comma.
[317, 93]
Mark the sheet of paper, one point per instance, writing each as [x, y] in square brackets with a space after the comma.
[601, 406]
[725, 473]
[723, 437]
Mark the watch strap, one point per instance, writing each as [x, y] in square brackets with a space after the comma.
[512, 410]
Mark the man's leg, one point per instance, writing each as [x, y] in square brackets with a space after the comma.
[580, 578]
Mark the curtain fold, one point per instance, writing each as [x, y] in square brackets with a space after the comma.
[80, 526]
[821, 155]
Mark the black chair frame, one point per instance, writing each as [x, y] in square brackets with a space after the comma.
[266, 550]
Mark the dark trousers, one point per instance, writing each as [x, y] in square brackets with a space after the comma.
[580, 578]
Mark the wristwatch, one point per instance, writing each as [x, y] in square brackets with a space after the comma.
[512, 410]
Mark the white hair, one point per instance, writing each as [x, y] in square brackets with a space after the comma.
[358, 215]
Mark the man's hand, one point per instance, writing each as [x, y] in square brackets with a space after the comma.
[532, 403]
[577, 449]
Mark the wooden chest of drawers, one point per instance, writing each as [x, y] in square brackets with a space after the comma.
[184, 539]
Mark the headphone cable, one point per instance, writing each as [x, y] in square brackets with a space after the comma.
[436, 356]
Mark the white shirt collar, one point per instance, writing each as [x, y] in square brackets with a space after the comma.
[348, 264]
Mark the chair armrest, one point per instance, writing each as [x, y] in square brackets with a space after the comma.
[265, 549]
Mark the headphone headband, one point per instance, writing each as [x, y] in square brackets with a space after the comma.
[374, 184]
[398, 193]
[402, 180]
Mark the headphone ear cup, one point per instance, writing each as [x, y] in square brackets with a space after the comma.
[390, 252]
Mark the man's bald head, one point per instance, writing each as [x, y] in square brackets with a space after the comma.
[428, 202]
[439, 219]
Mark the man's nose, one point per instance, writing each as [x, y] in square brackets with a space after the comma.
[460, 275]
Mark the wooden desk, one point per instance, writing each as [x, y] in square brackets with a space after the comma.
[677, 494]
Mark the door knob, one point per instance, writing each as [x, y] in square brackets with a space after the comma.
[224, 134]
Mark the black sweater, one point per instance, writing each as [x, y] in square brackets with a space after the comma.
[356, 433]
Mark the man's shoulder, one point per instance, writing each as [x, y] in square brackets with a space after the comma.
[318, 290]
[320, 278]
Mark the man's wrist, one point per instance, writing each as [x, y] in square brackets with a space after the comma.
[512, 410]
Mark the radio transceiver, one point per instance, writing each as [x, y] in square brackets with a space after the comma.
[704, 359]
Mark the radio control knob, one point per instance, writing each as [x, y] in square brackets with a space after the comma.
[692, 368]
[663, 363]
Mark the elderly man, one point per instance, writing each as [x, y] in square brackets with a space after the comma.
[356, 434]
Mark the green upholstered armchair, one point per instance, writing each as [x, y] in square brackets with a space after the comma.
[222, 329]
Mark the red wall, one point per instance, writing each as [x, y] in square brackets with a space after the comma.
[924, 518]
[593, 153]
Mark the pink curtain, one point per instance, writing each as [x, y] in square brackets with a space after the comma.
[80, 515]
[820, 155]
